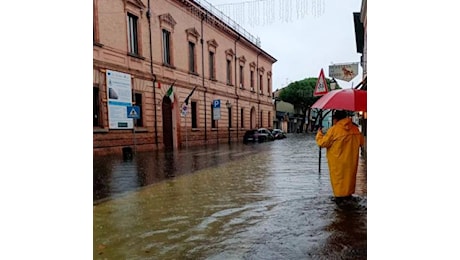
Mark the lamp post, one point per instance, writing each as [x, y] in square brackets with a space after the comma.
[229, 107]
[275, 101]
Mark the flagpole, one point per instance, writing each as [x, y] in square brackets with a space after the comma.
[186, 132]
[185, 114]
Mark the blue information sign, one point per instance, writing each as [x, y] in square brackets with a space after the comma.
[216, 109]
[133, 112]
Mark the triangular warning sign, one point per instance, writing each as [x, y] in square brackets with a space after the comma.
[133, 112]
[321, 85]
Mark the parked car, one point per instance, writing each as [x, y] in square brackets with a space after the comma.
[258, 136]
[278, 134]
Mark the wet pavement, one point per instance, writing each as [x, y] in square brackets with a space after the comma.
[257, 201]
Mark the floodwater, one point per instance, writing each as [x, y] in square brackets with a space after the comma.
[257, 201]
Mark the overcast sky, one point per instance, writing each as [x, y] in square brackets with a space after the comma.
[303, 35]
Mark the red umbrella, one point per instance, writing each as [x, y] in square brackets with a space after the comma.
[343, 99]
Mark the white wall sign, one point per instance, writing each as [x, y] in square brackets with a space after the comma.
[344, 72]
[119, 97]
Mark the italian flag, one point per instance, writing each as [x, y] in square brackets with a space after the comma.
[170, 93]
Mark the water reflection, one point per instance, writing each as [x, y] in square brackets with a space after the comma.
[349, 227]
[113, 176]
[264, 201]
[178, 218]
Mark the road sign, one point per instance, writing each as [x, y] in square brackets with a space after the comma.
[345, 72]
[216, 109]
[184, 110]
[321, 85]
[216, 103]
[133, 112]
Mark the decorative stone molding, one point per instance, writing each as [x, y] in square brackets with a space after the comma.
[137, 3]
[242, 60]
[134, 4]
[167, 21]
[212, 43]
[229, 52]
[192, 34]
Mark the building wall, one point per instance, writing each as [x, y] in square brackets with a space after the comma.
[364, 21]
[186, 21]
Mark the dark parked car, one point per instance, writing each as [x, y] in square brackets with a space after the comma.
[278, 134]
[258, 136]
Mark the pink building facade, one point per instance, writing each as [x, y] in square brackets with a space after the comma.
[143, 47]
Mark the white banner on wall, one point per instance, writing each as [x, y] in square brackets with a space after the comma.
[120, 96]
[344, 72]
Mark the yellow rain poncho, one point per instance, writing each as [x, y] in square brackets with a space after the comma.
[342, 141]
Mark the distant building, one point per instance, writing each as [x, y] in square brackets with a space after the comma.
[142, 47]
[286, 117]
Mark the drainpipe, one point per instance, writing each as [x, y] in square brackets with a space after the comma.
[203, 15]
[258, 91]
[154, 78]
[236, 89]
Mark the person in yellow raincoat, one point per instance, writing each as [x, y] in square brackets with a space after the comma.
[342, 141]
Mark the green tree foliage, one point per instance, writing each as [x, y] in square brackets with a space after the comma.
[300, 94]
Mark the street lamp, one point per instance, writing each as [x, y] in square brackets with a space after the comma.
[229, 107]
[275, 101]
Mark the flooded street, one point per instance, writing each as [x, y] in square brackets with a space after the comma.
[261, 201]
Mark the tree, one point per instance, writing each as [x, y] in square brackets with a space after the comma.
[300, 94]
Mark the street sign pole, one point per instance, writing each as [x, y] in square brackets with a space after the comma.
[133, 112]
[320, 89]
[134, 134]
[184, 112]
[186, 132]
[320, 120]
[216, 115]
